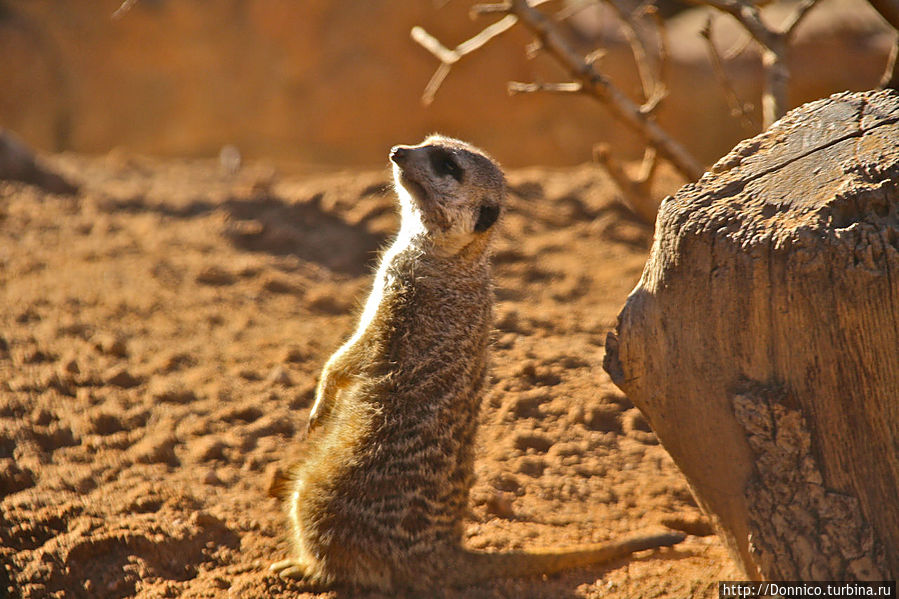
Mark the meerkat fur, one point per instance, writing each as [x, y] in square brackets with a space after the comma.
[380, 499]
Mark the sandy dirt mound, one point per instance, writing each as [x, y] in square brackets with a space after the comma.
[161, 336]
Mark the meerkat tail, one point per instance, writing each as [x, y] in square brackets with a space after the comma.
[478, 566]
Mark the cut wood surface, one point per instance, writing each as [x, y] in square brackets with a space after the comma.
[761, 341]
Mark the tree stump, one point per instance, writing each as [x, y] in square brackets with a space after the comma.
[762, 342]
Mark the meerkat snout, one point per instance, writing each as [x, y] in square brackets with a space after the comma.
[398, 154]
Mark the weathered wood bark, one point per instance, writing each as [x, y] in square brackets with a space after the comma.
[762, 341]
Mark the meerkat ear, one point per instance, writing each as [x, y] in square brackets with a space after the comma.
[487, 215]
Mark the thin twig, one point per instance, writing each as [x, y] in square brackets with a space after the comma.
[747, 15]
[602, 89]
[648, 166]
[889, 10]
[638, 49]
[434, 83]
[737, 107]
[571, 8]
[662, 35]
[488, 9]
[487, 34]
[890, 78]
[595, 56]
[449, 57]
[124, 8]
[517, 87]
[433, 45]
[635, 194]
[649, 106]
[797, 17]
[738, 48]
[532, 49]
[774, 43]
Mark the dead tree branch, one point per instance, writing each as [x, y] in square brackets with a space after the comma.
[738, 108]
[517, 87]
[889, 10]
[449, 57]
[124, 8]
[635, 191]
[662, 36]
[596, 85]
[890, 78]
[648, 80]
[773, 43]
[590, 81]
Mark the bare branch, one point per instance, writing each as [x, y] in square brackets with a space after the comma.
[648, 166]
[649, 106]
[638, 49]
[488, 9]
[600, 88]
[635, 194]
[517, 87]
[488, 33]
[427, 97]
[738, 48]
[449, 57]
[890, 78]
[532, 49]
[571, 8]
[124, 8]
[747, 15]
[796, 18]
[595, 56]
[499, 7]
[774, 45]
[433, 45]
[737, 107]
[662, 35]
[889, 10]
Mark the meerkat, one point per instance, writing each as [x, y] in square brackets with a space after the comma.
[379, 500]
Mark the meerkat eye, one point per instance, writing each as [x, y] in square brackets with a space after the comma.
[444, 165]
[487, 215]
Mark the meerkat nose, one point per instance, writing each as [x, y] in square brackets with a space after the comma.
[398, 154]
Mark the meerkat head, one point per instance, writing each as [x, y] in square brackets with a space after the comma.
[449, 189]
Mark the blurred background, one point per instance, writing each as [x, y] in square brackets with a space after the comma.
[336, 83]
[163, 321]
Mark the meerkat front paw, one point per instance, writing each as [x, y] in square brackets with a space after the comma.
[302, 575]
[289, 568]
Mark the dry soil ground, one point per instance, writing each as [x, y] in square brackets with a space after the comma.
[162, 331]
